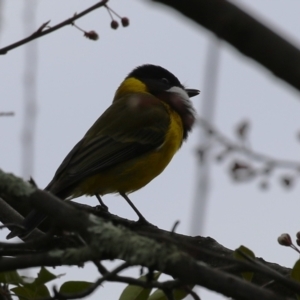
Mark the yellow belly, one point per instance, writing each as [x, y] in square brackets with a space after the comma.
[136, 173]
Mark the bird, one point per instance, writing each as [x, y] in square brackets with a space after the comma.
[130, 144]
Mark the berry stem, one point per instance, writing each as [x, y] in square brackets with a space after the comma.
[112, 11]
[109, 11]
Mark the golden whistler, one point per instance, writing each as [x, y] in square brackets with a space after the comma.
[129, 145]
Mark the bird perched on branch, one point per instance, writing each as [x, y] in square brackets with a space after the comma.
[129, 145]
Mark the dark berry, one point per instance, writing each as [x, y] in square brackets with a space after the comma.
[114, 24]
[125, 22]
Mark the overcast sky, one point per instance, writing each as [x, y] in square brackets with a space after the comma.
[76, 82]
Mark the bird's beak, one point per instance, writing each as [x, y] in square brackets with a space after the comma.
[192, 92]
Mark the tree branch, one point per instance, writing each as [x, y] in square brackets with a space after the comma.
[107, 241]
[41, 32]
[92, 288]
[245, 33]
[230, 145]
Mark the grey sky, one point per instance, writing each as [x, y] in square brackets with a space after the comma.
[76, 82]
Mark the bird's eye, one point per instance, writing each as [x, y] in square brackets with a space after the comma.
[165, 81]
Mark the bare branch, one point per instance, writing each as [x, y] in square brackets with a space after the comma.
[7, 114]
[245, 33]
[41, 32]
[272, 162]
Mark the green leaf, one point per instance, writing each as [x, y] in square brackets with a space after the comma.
[295, 274]
[28, 292]
[134, 292]
[178, 294]
[35, 288]
[44, 276]
[71, 287]
[11, 277]
[246, 275]
[158, 295]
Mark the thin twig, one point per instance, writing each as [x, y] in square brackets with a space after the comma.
[175, 226]
[40, 32]
[267, 270]
[92, 288]
[169, 284]
[259, 157]
[193, 294]
[7, 114]
[102, 270]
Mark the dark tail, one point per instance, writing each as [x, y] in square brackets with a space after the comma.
[33, 219]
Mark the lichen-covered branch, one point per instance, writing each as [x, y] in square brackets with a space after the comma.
[154, 249]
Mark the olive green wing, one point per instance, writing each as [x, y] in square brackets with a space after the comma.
[130, 127]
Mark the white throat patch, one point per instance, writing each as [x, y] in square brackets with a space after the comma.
[180, 91]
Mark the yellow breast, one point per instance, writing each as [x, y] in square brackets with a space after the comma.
[136, 173]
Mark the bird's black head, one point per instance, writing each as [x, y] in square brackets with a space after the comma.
[156, 78]
[166, 86]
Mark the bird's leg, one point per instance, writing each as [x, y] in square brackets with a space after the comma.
[142, 219]
[101, 202]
